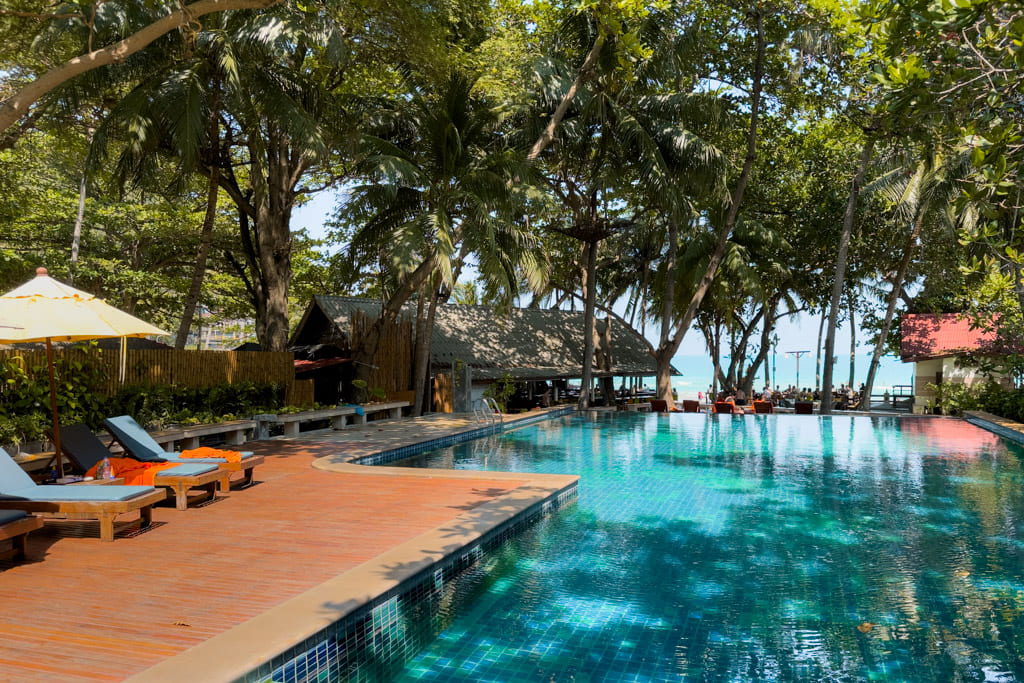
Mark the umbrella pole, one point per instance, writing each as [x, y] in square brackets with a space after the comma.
[53, 408]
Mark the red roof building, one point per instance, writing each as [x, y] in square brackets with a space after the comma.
[940, 335]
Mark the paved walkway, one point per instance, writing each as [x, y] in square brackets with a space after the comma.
[81, 609]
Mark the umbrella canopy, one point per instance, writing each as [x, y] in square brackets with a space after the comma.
[44, 309]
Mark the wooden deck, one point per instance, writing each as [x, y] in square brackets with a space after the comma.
[80, 609]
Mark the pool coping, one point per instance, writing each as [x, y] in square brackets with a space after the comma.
[1009, 429]
[242, 649]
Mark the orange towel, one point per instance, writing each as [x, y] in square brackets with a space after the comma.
[207, 452]
[135, 473]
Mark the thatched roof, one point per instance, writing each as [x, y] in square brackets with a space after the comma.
[528, 343]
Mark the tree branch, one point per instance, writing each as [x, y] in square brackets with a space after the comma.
[18, 104]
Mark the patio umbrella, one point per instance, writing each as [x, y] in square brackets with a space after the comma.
[44, 309]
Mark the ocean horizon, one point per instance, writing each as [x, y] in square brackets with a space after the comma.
[697, 373]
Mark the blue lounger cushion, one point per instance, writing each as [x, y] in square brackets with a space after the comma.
[176, 457]
[75, 494]
[15, 484]
[189, 469]
[7, 516]
[144, 447]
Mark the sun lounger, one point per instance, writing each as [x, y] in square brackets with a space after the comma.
[763, 407]
[137, 441]
[103, 503]
[724, 407]
[85, 450]
[803, 408]
[659, 406]
[15, 526]
[691, 407]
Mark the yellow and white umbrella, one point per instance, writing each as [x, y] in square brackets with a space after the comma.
[44, 309]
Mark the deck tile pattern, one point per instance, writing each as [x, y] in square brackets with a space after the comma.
[83, 610]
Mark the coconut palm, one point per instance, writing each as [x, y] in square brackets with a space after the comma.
[437, 191]
[922, 198]
[624, 145]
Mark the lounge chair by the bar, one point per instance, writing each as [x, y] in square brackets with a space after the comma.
[137, 441]
[103, 503]
[691, 407]
[85, 450]
[763, 407]
[803, 408]
[724, 407]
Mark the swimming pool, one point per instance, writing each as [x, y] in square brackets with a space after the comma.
[745, 548]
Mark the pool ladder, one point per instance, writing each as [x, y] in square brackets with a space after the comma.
[486, 410]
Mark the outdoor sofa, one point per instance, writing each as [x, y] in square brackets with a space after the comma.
[85, 450]
[143, 447]
[103, 503]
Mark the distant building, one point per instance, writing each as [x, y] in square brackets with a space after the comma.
[529, 344]
[937, 344]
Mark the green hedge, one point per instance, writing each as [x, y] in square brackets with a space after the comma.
[954, 399]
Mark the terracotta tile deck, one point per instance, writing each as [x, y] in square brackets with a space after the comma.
[80, 609]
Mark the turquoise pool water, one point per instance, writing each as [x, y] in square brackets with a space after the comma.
[747, 548]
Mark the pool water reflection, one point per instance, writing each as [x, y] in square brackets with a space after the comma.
[730, 548]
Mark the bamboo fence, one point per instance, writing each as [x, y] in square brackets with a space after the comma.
[394, 357]
[190, 368]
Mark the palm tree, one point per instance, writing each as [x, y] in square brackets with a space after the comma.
[625, 145]
[922, 198]
[437, 191]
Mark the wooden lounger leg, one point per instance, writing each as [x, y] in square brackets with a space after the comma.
[247, 475]
[106, 526]
[211, 488]
[180, 496]
[225, 480]
[19, 546]
[145, 516]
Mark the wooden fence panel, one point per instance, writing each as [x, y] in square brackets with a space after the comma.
[170, 366]
[300, 393]
[444, 397]
[394, 356]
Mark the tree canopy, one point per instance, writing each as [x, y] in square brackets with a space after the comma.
[683, 166]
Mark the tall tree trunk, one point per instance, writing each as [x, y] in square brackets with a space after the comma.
[276, 267]
[582, 76]
[206, 232]
[420, 355]
[590, 293]
[840, 274]
[199, 271]
[76, 236]
[766, 338]
[738, 347]
[853, 345]
[817, 351]
[422, 364]
[890, 310]
[663, 354]
[736, 199]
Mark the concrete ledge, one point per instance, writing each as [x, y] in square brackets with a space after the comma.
[995, 424]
